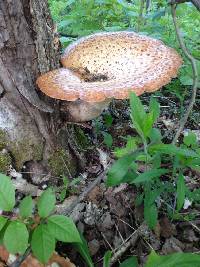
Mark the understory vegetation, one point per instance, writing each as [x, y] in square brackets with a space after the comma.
[135, 147]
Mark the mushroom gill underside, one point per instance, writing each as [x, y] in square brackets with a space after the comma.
[104, 66]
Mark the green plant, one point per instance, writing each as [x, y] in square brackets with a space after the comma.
[35, 227]
[155, 168]
[155, 260]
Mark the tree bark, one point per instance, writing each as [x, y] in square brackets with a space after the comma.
[28, 120]
[196, 3]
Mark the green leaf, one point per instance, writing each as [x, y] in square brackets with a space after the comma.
[62, 194]
[154, 107]
[82, 248]
[173, 260]
[107, 258]
[26, 207]
[63, 229]
[148, 123]
[155, 135]
[180, 191]
[138, 114]
[108, 140]
[42, 243]
[119, 169]
[130, 262]
[150, 214]
[151, 117]
[108, 119]
[131, 146]
[16, 237]
[3, 221]
[149, 175]
[7, 193]
[173, 150]
[46, 203]
[190, 139]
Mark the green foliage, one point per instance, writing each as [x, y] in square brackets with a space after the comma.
[148, 150]
[82, 248]
[26, 207]
[16, 237]
[46, 203]
[130, 262]
[7, 193]
[173, 260]
[38, 229]
[108, 140]
[107, 258]
[42, 243]
[64, 190]
[63, 229]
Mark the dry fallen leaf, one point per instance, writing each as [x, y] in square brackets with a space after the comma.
[31, 261]
[4, 255]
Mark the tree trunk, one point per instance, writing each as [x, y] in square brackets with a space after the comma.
[28, 120]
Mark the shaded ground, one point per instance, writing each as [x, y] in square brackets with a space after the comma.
[108, 217]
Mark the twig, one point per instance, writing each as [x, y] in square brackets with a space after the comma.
[83, 195]
[131, 241]
[20, 259]
[140, 16]
[195, 75]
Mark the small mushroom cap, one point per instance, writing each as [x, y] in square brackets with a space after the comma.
[129, 61]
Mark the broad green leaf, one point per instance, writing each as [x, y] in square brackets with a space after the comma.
[107, 258]
[108, 119]
[156, 161]
[148, 123]
[155, 136]
[26, 207]
[7, 193]
[130, 262]
[131, 146]
[82, 248]
[149, 175]
[42, 243]
[154, 107]
[173, 150]
[173, 260]
[16, 237]
[190, 139]
[119, 169]
[130, 175]
[63, 229]
[138, 114]
[180, 191]
[3, 221]
[108, 140]
[151, 117]
[46, 203]
[150, 215]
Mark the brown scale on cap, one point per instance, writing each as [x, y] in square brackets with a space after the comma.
[111, 65]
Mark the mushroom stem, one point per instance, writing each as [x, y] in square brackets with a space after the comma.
[81, 111]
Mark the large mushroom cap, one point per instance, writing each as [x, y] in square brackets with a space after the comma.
[123, 61]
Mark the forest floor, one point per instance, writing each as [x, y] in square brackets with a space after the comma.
[108, 217]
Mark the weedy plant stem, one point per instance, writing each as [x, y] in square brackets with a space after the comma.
[184, 119]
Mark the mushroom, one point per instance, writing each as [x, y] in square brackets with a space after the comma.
[103, 66]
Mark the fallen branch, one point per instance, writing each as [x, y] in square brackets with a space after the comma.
[83, 195]
[131, 241]
[195, 75]
[20, 259]
[196, 3]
